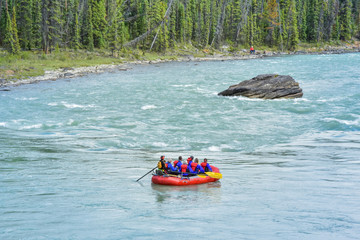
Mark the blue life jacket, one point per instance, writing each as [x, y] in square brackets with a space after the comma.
[170, 167]
[199, 169]
[189, 169]
[206, 167]
[178, 165]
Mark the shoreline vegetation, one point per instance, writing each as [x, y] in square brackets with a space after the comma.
[32, 67]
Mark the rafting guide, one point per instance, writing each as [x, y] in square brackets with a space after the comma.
[181, 174]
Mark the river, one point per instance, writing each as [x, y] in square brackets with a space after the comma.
[71, 151]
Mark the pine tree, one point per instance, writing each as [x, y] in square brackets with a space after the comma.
[88, 34]
[116, 36]
[9, 41]
[76, 40]
[25, 24]
[204, 23]
[99, 22]
[335, 34]
[16, 49]
[36, 23]
[302, 27]
[293, 35]
[51, 25]
[345, 20]
[312, 20]
[180, 23]
[272, 17]
[191, 21]
[172, 27]
[141, 24]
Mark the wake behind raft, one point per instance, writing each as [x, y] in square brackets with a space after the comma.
[184, 179]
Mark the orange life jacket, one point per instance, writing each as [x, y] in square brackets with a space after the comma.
[183, 167]
[175, 163]
[193, 165]
[203, 164]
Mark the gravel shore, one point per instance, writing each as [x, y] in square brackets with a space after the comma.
[81, 71]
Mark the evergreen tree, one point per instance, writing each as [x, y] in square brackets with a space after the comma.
[272, 17]
[99, 22]
[116, 36]
[293, 34]
[172, 27]
[36, 23]
[16, 48]
[88, 34]
[9, 40]
[302, 6]
[76, 31]
[25, 24]
[51, 25]
[180, 23]
[345, 20]
[312, 20]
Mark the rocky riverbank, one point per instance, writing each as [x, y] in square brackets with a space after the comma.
[69, 72]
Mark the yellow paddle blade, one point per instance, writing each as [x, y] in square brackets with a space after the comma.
[202, 175]
[214, 175]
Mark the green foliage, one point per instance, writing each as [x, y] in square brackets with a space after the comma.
[11, 40]
[98, 20]
[110, 24]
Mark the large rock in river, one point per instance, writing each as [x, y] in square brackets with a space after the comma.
[267, 86]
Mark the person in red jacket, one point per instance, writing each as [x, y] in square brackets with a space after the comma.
[252, 50]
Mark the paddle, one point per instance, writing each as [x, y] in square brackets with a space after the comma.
[214, 175]
[210, 174]
[147, 173]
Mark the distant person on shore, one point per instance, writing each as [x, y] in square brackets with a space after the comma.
[206, 166]
[252, 50]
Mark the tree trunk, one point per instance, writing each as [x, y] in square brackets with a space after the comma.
[219, 27]
[45, 28]
[243, 20]
[143, 36]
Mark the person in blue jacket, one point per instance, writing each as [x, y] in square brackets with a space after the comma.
[198, 168]
[170, 167]
[189, 168]
[178, 163]
[206, 166]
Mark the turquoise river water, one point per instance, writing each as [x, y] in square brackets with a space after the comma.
[71, 151]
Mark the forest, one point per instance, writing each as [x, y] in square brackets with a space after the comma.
[159, 25]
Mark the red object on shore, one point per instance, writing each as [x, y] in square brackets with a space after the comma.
[177, 180]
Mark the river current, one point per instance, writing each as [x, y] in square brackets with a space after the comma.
[71, 151]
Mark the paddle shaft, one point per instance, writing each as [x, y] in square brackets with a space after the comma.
[147, 173]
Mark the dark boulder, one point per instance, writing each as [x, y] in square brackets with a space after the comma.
[266, 86]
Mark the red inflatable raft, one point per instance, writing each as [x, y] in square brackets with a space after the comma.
[179, 180]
